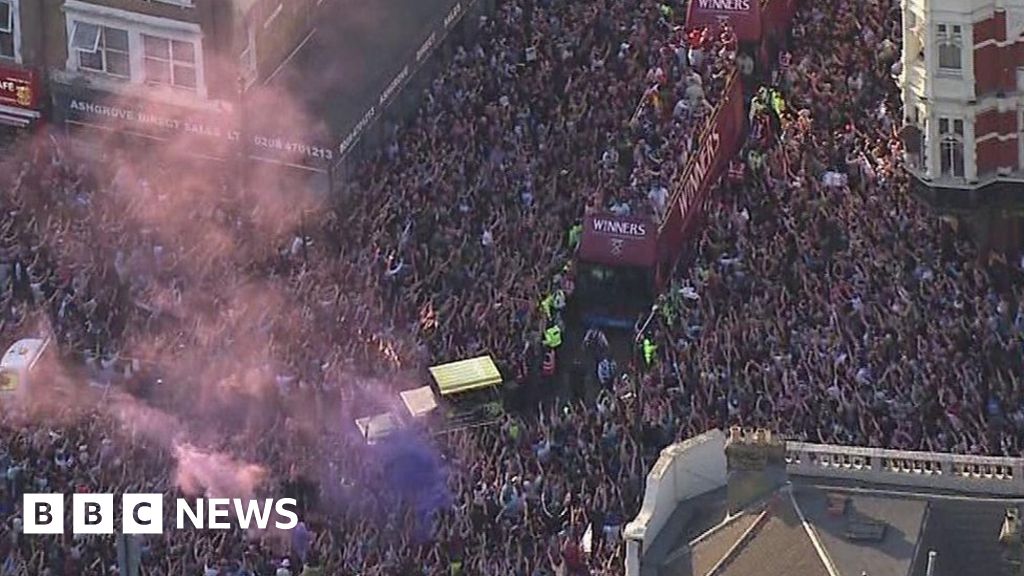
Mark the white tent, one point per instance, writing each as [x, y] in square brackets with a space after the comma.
[419, 401]
[378, 427]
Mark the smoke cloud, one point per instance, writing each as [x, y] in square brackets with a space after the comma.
[215, 475]
[223, 303]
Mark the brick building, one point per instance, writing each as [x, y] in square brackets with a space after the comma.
[152, 70]
[963, 80]
[199, 48]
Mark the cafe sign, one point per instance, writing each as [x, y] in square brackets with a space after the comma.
[18, 88]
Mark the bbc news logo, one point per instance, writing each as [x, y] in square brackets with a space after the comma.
[144, 513]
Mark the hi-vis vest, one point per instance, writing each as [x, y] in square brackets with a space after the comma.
[575, 233]
[546, 304]
[649, 349]
[778, 103]
[553, 337]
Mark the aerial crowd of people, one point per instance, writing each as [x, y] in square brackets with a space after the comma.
[825, 303]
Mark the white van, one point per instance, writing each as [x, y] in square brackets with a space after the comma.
[18, 364]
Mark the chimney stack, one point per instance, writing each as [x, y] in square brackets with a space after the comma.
[757, 466]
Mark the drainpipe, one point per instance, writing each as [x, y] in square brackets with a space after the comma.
[932, 555]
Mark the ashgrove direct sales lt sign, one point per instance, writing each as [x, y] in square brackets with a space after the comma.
[167, 123]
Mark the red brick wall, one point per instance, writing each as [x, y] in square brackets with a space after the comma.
[991, 29]
[995, 66]
[993, 154]
[993, 121]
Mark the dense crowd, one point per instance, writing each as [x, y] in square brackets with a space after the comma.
[825, 303]
[830, 304]
[144, 261]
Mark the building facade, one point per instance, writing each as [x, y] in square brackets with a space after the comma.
[147, 70]
[961, 91]
[143, 71]
[962, 79]
[21, 61]
[196, 51]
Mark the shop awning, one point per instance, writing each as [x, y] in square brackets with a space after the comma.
[466, 375]
[18, 117]
[743, 15]
[612, 240]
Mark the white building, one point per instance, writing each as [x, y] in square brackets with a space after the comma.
[962, 81]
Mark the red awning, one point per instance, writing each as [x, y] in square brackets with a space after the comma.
[743, 15]
[612, 240]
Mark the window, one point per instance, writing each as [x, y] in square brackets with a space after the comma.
[951, 147]
[6, 29]
[116, 46]
[102, 49]
[86, 37]
[949, 41]
[169, 62]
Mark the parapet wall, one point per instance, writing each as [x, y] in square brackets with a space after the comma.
[935, 471]
[697, 466]
[683, 471]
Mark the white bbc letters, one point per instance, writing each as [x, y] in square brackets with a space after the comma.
[92, 513]
[43, 513]
[142, 514]
[219, 508]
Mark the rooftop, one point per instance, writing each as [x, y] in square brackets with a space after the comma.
[854, 515]
[772, 539]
